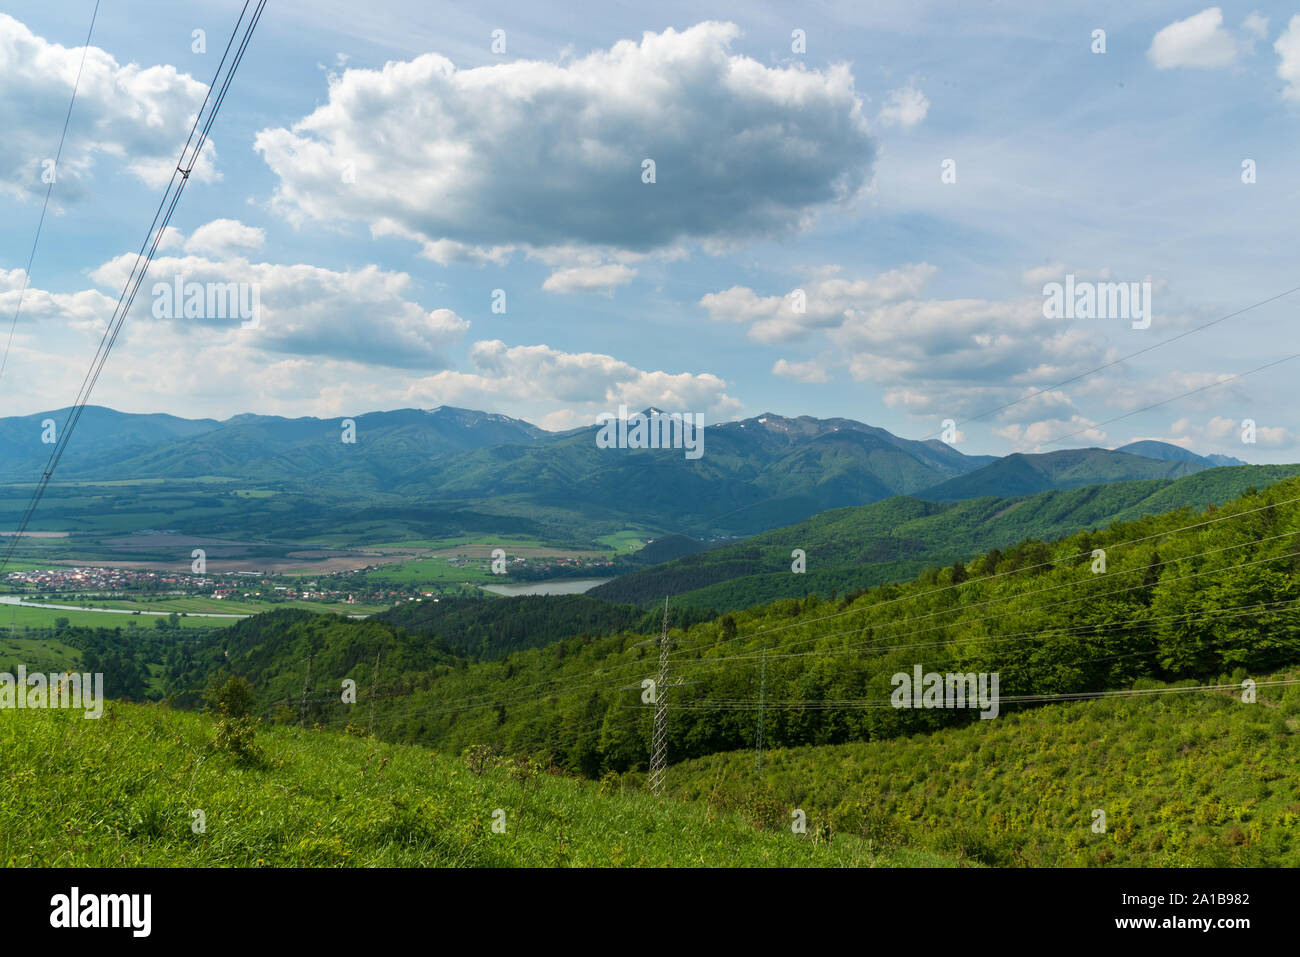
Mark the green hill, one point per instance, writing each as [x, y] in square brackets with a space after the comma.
[1185, 780]
[1022, 474]
[494, 627]
[853, 548]
[123, 791]
[1182, 595]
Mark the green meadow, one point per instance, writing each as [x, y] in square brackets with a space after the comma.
[16, 616]
[148, 787]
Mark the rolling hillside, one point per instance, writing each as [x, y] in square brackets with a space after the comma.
[893, 540]
[1181, 595]
[1021, 474]
[1164, 451]
[313, 799]
[492, 628]
[1185, 780]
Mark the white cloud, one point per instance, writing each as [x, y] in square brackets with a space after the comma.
[83, 309]
[812, 371]
[171, 238]
[1139, 392]
[358, 315]
[959, 357]
[1223, 434]
[827, 301]
[444, 252]
[1288, 53]
[1041, 436]
[137, 115]
[905, 107]
[328, 342]
[540, 375]
[1200, 41]
[929, 356]
[589, 278]
[535, 155]
[1255, 27]
[225, 237]
[1052, 404]
[1036, 277]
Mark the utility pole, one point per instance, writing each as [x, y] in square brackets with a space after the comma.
[374, 680]
[659, 740]
[659, 736]
[762, 706]
[306, 684]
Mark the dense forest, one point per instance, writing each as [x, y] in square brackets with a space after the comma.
[894, 540]
[1184, 594]
[126, 657]
[493, 627]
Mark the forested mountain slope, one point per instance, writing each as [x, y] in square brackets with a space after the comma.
[1183, 594]
[893, 540]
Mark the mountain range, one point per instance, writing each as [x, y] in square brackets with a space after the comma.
[755, 474]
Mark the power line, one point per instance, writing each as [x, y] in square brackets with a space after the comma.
[868, 703]
[157, 229]
[987, 578]
[835, 704]
[49, 188]
[1056, 604]
[723, 663]
[486, 700]
[1072, 379]
[1154, 405]
[1126, 358]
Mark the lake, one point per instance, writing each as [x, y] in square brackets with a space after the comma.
[563, 586]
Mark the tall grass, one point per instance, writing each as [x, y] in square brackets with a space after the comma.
[122, 791]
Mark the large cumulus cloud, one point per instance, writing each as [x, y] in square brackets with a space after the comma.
[538, 155]
[138, 115]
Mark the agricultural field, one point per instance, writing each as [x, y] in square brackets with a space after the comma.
[431, 571]
[199, 605]
[19, 617]
[626, 542]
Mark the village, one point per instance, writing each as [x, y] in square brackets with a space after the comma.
[84, 582]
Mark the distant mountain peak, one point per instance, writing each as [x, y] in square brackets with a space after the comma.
[469, 418]
[1168, 452]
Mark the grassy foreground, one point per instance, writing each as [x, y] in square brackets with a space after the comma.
[121, 792]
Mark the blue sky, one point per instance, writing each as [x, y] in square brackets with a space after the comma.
[379, 170]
